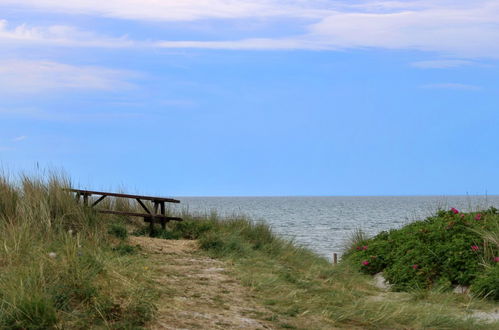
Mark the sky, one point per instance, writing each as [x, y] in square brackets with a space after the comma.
[253, 98]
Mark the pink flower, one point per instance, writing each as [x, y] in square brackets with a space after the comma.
[365, 262]
[364, 247]
[478, 217]
[496, 259]
[454, 210]
[415, 266]
[475, 248]
[462, 215]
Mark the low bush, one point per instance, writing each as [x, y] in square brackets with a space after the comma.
[487, 284]
[443, 250]
[118, 230]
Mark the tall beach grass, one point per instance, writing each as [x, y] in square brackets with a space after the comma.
[59, 266]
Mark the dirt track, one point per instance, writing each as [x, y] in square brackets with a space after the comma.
[197, 291]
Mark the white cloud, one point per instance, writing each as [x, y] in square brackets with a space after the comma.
[177, 10]
[19, 138]
[56, 35]
[441, 64]
[68, 115]
[448, 29]
[454, 86]
[38, 76]
[248, 44]
[456, 29]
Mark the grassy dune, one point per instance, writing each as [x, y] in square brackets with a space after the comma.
[305, 291]
[65, 266]
[59, 267]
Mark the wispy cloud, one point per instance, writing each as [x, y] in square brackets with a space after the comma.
[22, 76]
[249, 44]
[441, 64]
[19, 138]
[454, 86]
[174, 10]
[70, 115]
[470, 30]
[459, 29]
[56, 35]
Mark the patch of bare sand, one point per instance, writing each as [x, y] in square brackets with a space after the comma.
[159, 245]
[197, 291]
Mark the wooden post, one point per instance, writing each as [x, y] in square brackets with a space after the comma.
[151, 225]
[162, 210]
[335, 258]
[85, 199]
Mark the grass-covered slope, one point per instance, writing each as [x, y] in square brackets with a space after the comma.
[305, 291]
[65, 266]
[445, 250]
[59, 267]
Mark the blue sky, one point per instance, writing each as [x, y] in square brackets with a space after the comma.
[265, 97]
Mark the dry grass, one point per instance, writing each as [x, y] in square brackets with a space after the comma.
[59, 267]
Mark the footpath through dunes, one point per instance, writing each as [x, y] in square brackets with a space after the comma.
[197, 291]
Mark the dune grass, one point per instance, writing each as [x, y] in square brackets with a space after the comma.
[305, 291]
[62, 266]
[65, 266]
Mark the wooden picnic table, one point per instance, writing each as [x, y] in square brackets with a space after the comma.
[157, 214]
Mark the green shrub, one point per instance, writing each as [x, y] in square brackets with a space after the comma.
[192, 229]
[118, 230]
[443, 250]
[34, 312]
[125, 249]
[487, 285]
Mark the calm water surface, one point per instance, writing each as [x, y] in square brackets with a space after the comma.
[323, 224]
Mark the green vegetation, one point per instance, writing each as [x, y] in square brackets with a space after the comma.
[304, 291]
[443, 251]
[61, 265]
[64, 266]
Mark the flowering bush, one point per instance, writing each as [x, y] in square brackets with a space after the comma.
[442, 250]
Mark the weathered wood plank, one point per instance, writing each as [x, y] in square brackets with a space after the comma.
[149, 198]
[99, 200]
[142, 215]
[143, 205]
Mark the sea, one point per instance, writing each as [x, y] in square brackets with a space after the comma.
[325, 224]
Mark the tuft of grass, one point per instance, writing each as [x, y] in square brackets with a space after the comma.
[118, 230]
[60, 265]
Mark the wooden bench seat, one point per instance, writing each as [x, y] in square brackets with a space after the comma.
[142, 215]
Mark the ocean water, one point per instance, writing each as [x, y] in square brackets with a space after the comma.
[324, 224]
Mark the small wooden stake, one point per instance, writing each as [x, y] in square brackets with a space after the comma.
[335, 258]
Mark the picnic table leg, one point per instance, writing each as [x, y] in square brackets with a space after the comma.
[85, 199]
[151, 225]
[162, 210]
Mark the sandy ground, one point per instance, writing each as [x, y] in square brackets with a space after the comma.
[198, 292]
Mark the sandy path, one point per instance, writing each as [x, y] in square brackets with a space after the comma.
[197, 291]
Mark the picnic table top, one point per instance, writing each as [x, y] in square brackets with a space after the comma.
[150, 198]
